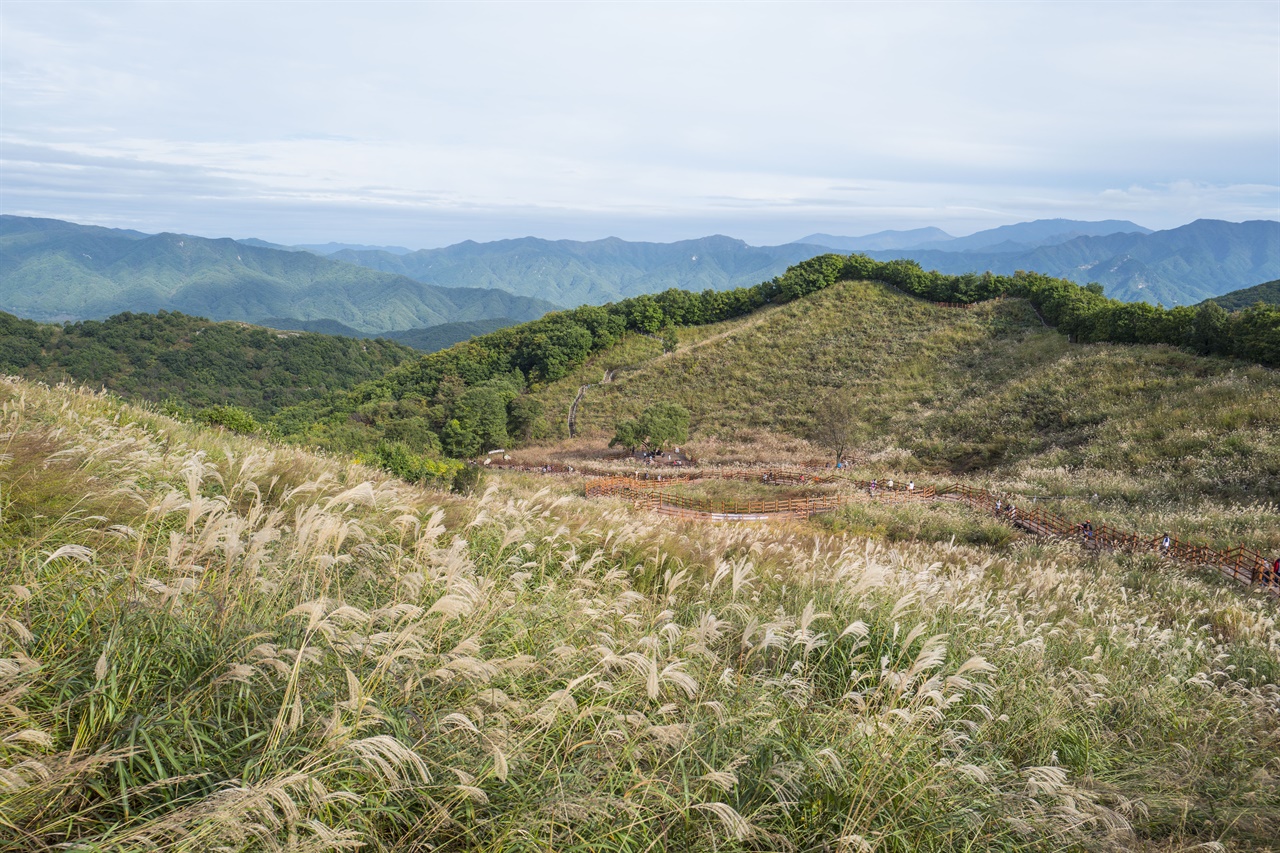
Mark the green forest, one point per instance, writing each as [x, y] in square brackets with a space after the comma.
[191, 364]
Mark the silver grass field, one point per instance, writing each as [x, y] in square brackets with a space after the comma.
[212, 643]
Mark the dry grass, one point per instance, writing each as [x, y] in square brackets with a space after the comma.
[259, 649]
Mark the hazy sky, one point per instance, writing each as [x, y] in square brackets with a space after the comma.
[423, 124]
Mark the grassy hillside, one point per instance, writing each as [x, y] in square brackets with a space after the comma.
[57, 271]
[957, 389]
[988, 394]
[1267, 292]
[209, 643]
[192, 361]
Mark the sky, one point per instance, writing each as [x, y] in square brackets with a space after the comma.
[425, 124]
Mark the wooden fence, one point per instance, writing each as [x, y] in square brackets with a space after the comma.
[1241, 564]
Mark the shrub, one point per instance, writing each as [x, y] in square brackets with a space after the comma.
[399, 459]
[233, 418]
[468, 479]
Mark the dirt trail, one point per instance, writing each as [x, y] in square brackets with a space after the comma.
[573, 409]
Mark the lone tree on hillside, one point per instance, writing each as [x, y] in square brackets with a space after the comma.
[835, 425]
[658, 426]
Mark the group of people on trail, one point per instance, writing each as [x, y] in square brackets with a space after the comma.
[1008, 510]
[672, 457]
[874, 485]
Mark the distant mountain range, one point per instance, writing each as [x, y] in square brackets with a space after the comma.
[54, 271]
[57, 271]
[1181, 266]
[574, 273]
[1021, 237]
[879, 240]
[330, 248]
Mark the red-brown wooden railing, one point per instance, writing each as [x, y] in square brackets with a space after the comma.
[1241, 564]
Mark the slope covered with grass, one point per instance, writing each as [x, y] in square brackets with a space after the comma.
[983, 392]
[210, 643]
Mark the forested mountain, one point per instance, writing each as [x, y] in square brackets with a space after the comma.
[1267, 293]
[58, 271]
[199, 363]
[1181, 266]
[321, 327]
[573, 273]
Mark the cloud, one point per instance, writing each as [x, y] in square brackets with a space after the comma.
[525, 118]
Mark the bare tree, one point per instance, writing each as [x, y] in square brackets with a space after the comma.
[835, 424]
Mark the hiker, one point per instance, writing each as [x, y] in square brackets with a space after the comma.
[889, 484]
[1164, 545]
[911, 487]
[999, 505]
